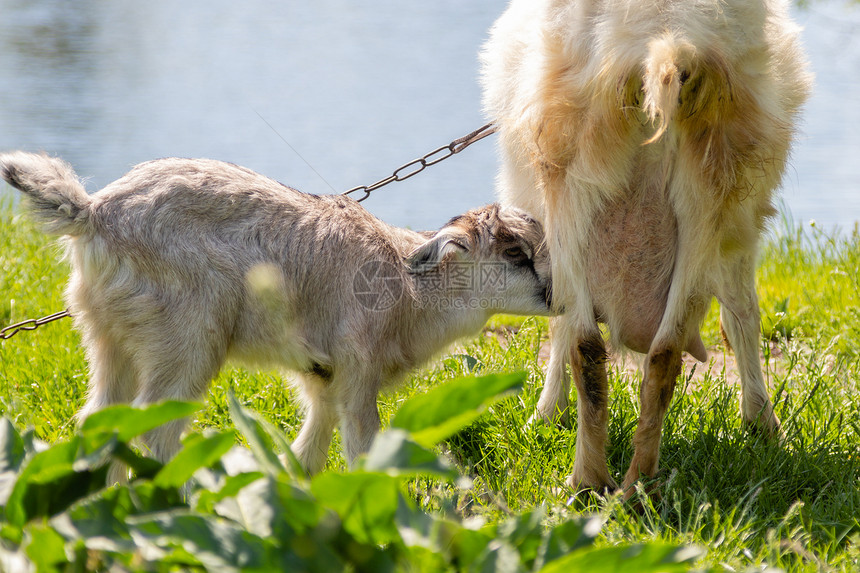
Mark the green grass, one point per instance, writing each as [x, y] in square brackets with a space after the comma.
[748, 502]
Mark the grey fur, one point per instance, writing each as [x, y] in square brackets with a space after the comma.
[183, 263]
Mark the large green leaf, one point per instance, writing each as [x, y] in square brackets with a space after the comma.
[395, 453]
[189, 539]
[524, 532]
[459, 544]
[99, 520]
[568, 536]
[54, 479]
[655, 557]
[129, 422]
[269, 506]
[11, 455]
[499, 557]
[367, 503]
[197, 452]
[11, 447]
[45, 548]
[216, 485]
[445, 410]
[262, 439]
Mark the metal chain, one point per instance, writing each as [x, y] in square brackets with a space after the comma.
[416, 166]
[31, 324]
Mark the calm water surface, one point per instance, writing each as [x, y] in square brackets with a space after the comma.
[330, 94]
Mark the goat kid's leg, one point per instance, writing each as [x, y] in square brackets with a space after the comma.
[174, 370]
[741, 322]
[359, 416]
[588, 363]
[112, 381]
[554, 402]
[312, 443]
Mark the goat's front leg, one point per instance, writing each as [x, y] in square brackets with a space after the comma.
[359, 415]
[312, 443]
[554, 402]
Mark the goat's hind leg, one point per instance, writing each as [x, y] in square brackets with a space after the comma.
[686, 306]
[661, 370]
[112, 381]
[662, 367]
[175, 363]
[740, 318]
[588, 364]
[112, 376]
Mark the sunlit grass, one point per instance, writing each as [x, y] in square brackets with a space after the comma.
[748, 501]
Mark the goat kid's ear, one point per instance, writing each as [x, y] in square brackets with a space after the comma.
[428, 256]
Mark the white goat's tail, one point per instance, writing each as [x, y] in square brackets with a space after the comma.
[56, 195]
[663, 80]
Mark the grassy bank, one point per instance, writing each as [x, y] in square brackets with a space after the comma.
[748, 502]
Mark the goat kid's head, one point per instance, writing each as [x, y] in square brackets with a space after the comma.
[489, 258]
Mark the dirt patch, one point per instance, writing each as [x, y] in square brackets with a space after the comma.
[720, 364]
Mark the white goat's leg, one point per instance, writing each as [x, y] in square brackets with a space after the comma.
[554, 402]
[569, 218]
[312, 443]
[112, 377]
[662, 366]
[685, 308]
[661, 370]
[588, 365]
[359, 415]
[740, 317]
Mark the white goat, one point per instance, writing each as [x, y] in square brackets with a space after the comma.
[649, 137]
[183, 263]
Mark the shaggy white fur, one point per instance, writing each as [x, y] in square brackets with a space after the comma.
[649, 137]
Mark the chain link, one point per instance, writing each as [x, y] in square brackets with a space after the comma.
[416, 166]
[31, 324]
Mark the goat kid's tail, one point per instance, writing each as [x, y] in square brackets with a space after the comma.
[665, 71]
[57, 197]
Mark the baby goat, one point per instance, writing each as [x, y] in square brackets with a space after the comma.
[183, 263]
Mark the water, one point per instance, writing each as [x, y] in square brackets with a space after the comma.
[823, 181]
[330, 94]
